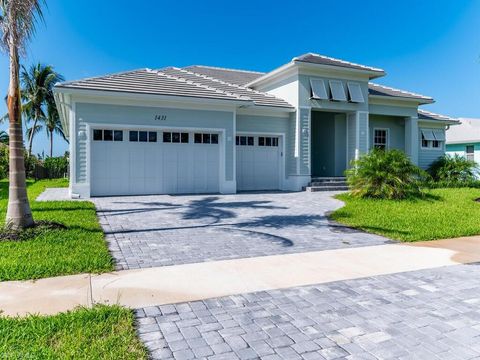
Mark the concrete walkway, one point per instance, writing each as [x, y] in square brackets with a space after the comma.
[182, 283]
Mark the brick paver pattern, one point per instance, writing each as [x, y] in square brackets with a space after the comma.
[149, 231]
[428, 314]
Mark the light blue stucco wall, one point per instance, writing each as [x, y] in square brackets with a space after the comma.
[268, 125]
[396, 130]
[145, 116]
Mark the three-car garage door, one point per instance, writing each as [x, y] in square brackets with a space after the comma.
[258, 162]
[136, 162]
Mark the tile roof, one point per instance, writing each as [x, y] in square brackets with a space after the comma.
[259, 98]
[382, 90]
[146, 81]
[325, 60]
[427, 115]
[232, 76]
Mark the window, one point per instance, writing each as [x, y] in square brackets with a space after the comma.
[470, 152]
[97, 135]
[175, 137]
[107, 135]
[118, 135]
[380, 139]
[245, 140]
[355, 92]
[318, 89]
[133, 136]
[432, 138]
[205, 138]
[152, 136]
[167, 137]
[267, 141]
[142, 136]
[337, 90]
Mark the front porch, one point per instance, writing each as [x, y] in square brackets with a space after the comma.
[338, 138]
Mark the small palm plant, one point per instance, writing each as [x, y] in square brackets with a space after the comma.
[385, 175]
[453, 171]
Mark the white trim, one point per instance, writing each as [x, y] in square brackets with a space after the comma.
[357, 135]
[234, 155]
[72, 147]
[368, 132]
[387, 137]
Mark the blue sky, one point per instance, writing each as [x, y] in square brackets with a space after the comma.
[430, 47]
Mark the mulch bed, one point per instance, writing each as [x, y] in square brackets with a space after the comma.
[29, 233]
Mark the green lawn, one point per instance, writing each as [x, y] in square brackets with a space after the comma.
[78, 248]
[104, 332]
[445, 213]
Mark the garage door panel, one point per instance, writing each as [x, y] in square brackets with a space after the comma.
[135, 167]
[258, 167]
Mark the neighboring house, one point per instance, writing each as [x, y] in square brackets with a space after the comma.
[202, 129]
[464, 139]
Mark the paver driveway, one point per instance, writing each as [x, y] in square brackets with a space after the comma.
[427, 314]
[148, 231]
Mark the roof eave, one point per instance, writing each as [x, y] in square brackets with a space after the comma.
[371, 74]
[146, 96]
[418, 101]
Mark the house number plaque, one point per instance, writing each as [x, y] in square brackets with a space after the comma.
[161, 117]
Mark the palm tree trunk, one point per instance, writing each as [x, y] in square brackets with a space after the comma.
[51, 143]
[19, 214]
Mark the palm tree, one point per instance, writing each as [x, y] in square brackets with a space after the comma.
[53, 123]
[37, 84]
[17, 24]
[4, 139]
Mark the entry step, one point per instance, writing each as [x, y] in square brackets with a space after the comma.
[327, 184]
[326, 188]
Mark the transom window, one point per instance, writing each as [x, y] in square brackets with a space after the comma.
[244, 140]
[267, 141]
[205, 138]
[142, 136]
[380, 139]
[175, 137]
[107, 135]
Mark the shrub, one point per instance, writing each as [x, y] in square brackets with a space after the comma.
[453, 171]
[56, 167]
[3, 161]
[384, 175]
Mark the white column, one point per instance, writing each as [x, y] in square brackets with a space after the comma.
[411, 139]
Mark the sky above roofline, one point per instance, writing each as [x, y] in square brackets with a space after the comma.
[429, 47]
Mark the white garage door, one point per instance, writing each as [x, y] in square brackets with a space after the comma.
[258, 162]
[136, 162]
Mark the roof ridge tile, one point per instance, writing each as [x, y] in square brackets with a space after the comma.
[226, 69]
[158, 72]
[230, 84]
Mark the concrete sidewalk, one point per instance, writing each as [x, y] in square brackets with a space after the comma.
[181, 283]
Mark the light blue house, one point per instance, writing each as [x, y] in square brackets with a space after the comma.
[464, 139]
[203, 129]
